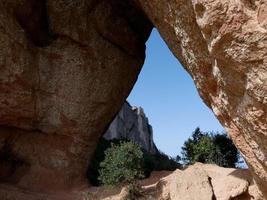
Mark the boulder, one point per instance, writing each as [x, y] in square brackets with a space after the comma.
[207, 182]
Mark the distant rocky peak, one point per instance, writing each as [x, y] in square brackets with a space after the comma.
[131, 123]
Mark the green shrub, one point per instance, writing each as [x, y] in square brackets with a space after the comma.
[99, 156]
[210, 148]
[122, 163]
[150, 162]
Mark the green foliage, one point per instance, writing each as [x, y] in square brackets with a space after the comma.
[150, 162]
[99, 156]
[122, 163]
[210, 148]
[158, 162]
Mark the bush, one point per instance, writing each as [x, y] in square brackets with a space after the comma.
[122, 163]
[99, 156]
[150, 162]
[210, 148]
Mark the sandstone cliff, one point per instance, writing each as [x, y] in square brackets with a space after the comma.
[131, 123]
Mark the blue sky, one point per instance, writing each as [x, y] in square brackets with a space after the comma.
[169, 98]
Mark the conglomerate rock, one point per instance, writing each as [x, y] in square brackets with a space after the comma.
[67, 66]
[223, 45]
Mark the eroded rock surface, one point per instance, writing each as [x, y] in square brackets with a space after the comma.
[223, 45]
[207, 182]
[66, 68]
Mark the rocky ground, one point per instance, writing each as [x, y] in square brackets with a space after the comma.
[197, 182]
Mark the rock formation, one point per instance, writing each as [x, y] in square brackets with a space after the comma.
[205, 182]
[198, 182]
[223, 45]
[131, 123]
[66, 68]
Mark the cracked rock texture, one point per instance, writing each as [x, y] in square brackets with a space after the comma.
[223, 45]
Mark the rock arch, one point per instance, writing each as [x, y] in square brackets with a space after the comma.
[60, 87]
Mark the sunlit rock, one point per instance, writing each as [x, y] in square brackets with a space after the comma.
[132, 124]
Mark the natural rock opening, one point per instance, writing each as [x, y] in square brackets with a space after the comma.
[58, 99]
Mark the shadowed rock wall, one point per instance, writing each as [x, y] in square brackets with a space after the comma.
[66, 68]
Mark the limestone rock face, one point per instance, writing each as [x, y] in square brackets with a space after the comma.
[223, 45]
[131, 123]
[66, 68]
